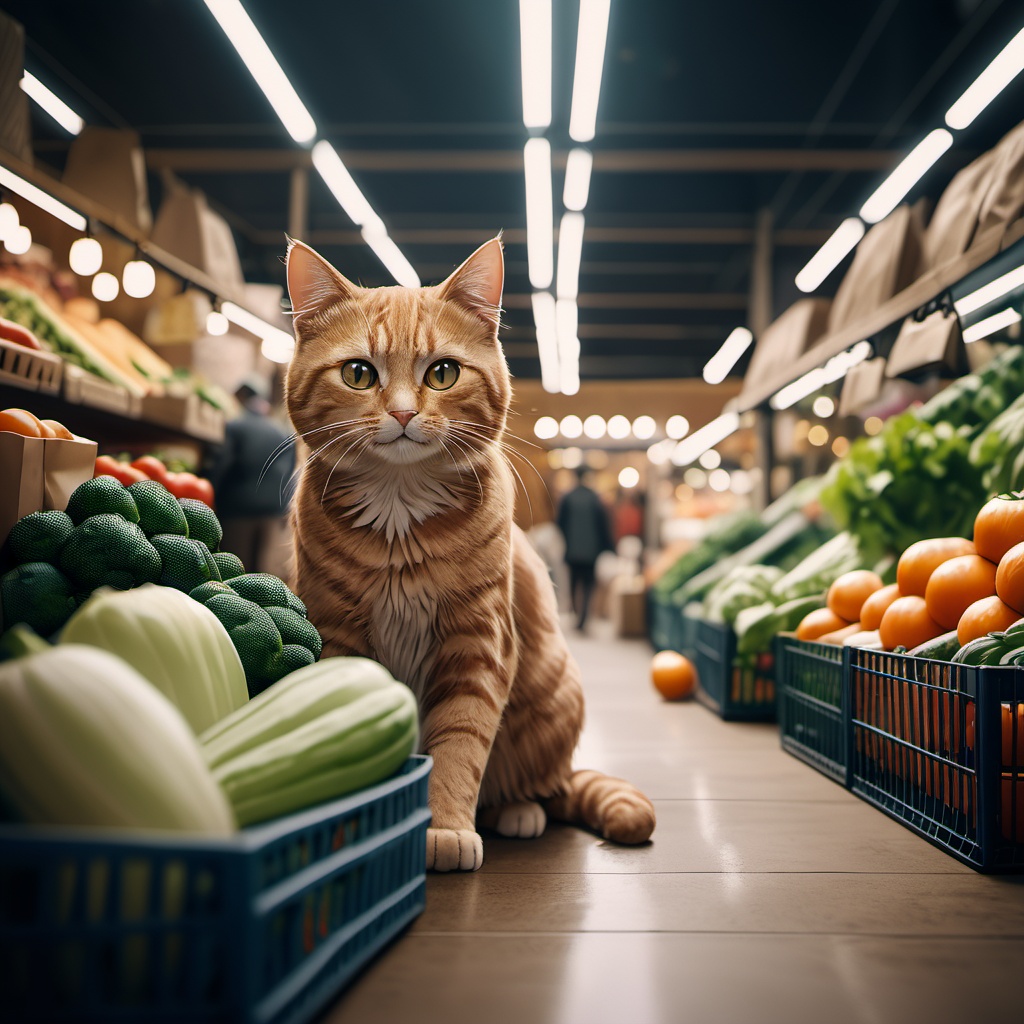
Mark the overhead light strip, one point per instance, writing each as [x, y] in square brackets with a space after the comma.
[52, 104]
[591, 37]
[983, 328]
[547, 341]
[391, 256]
[535, 60]
[25, 189]
[264, 68]
[907, 174]
[539, 212]
[570, 254]
[814, 380]
[719, 365]
[1005, 67]
[990, 292]
[839, 245]
[576, 190]
[567, 326]
[700, 441]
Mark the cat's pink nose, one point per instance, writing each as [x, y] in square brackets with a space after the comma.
[403, 416]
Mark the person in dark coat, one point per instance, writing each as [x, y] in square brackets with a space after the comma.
[583, 520]
[252, 509]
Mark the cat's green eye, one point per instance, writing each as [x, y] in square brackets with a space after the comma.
[358, 374]
[442, 375]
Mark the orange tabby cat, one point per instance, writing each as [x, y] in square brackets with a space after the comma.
[406, 551]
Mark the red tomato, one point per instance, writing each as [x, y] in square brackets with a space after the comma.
[150, 466]
[106, 465]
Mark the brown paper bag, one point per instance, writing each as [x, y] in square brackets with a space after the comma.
[66, 464]
[933, 343]
[21, 478]
[862, 386]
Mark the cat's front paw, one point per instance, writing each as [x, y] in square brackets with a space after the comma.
[454, 849]
[522, 820]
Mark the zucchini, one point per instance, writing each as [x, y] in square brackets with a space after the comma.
[941, 648]
[325, 730]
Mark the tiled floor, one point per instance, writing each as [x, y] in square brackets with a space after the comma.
[769, 894]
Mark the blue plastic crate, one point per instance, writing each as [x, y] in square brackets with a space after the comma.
[264, 927]
[733, 690]
[809, 682]
[940, 747]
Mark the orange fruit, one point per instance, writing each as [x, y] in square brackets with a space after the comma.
[920, 560]
[999, 526]
[818, 623]
[673, 675]
[874, 607]
[989, 615]
[58, 430]
[21, 421]
[847, 595]
[1010, 578]
[906, 623]
[956, 584]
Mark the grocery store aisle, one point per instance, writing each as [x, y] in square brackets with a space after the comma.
[769, 894]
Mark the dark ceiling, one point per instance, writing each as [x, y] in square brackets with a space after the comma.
[710, 114]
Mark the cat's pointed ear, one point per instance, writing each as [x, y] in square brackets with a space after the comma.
[477, 284]
[313, 284]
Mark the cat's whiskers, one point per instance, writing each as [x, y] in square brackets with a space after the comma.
[463, 448]
[507, 448]
[502, 448]
[292, 438]
[365, 439]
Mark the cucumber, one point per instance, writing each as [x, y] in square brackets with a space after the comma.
[942, 648]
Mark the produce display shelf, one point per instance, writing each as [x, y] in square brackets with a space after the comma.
[670, 629]
[940, 747]
[26, 368]
[265, 927]
[812, 725]
[734, 691]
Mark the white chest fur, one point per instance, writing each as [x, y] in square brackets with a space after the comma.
[394, 499]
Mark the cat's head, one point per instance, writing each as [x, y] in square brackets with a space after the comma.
[397, 376]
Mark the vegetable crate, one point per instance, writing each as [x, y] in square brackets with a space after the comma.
[669, 629]
[733, 690]
[266, 927]
[812, 727]
[940, 747]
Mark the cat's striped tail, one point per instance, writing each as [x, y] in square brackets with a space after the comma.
[611, 807]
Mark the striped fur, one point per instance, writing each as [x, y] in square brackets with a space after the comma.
[406, 551]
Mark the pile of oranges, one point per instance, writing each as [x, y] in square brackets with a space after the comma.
[942, 584]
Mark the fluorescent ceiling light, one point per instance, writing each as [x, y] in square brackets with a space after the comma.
[991, 324]
[262, 65]
[586, 84]
[547, 340]
[842, 241]
[836, 368]
[342, 184]
[719, 365]
[693, 447]
[908, 172]
[990, 292]
[391, 256]
[570, 252]
[52, 104]
[567, 326]
[25, 189]
[997, 76]
[535, 58]
[539, 212]
[276, 343]
[577, 178]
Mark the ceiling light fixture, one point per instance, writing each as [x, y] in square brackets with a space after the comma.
[54, 207]
[996, 289]
[1005, 67]
[19, 241]
[535, 60]
[576, 189]
[105, 287]
[277, 345]
[138, 279]
[570, 426]
[619, 428]
[570, 253]
[836, 367]
[546, 428]
[595, 427]
[677, 427]
[591, 38]
[547, 341]
[391, 256]
[718, 366]
[342, 185]
[840, 243]
[629, 477]
[644, 427]
[708, 436]
[216, 323]
[52, 104]
[906, 175]
[264, 68]
[539, 212]
[991, 324]
[9, 220]
[567, 327]
[85, 257]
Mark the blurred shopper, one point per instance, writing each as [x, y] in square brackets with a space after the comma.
[583, 520]
[252, 511]
[628, 516]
